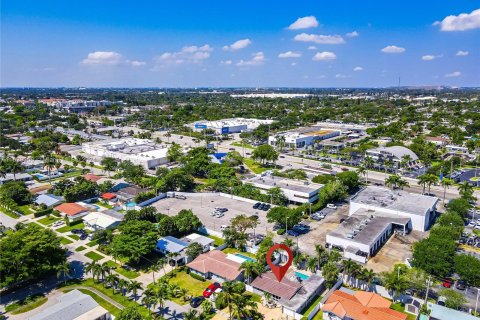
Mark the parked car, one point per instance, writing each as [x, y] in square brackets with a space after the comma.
[231, 149]
[223, 227]
[256, 205]
[447, 283]
[441, 301]
[316, 217]
[76, 231]
[301, 228]
[221, 209]
[211, 289]
[219, 214]
[292, 233]
[331, 206]
[83, 236]
[181, 196]
[197, 301]
[461, 285]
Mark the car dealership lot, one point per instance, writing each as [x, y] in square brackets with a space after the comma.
[203, 204]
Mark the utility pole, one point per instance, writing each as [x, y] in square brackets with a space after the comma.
[428, 288]
[476, 303]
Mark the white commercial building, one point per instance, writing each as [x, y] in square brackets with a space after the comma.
[301, 137]
[395, 154]
[228, 126]
[295, 190]
[139, 151]
[420, 209]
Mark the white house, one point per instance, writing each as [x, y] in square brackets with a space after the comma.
[102, 220]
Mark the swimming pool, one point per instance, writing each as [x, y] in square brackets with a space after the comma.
[301, 275]
[245, 257]
[40, 176]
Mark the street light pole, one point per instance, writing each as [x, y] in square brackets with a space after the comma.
[476, 303]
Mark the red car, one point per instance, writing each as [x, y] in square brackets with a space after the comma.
[447, 283]
[211, 289]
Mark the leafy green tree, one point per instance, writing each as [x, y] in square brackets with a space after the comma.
[265, 152]
[330, 273]
[28, 253]
[130, 313]
[176, 180]
[233, 159]
[193, 250]
[468, 268]
[454, 300]
[350, 179]
[16, 191]
[109, 164]
[174, 153]
[459, 206]
[186, 221]
[136, 238]
[81, 190]
[277, 196]
[434, 255]
[284, 216]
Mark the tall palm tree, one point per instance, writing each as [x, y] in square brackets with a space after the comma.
[123, 284]
[104, 269]
[446, 183]
[322, 255]
[363, 171]
[228, 296]
[465, 190]
[312, 264]
[171, 256]
[148, 299]
[112, 280]
[63, 270]
[191, 315]
[90, 267]
[157, 265]
[251, 268]
[368, 275]
[387, 164]
[134, 286]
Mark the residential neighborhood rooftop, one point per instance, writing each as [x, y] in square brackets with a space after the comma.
[70, 208]
[216, 262]
[284, 289]
[171, 244]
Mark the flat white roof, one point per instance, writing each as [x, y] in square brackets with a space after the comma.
[270, 181]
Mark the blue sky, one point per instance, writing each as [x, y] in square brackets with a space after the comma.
[240, 43]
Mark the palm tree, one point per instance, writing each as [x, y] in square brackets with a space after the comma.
[50, 163]
[148, 299]
[172, 255]
[402, 183]
[387, 164]
[123, 284]
[134, 286]
[422, 181]
[363, 171]
[446, 183]
[159, 264]
[161, 295]
[104, 269]
[395, 283]
[251, 268]
[207, 307]
[289, 242]
[312, 264]
[367, 275]
[191, 315]
[63, 270]
[90, 267]
[465, 190]
[322, 255]
[112, 280]
[228, 296]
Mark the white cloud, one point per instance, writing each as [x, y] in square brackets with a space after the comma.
[226, 62]
[352, 34]
[461, 53]
[358, 69]
[258, 59]
[320, 39]
[110, 58]
[237, 45]
[342, 76]
[462, 22]
[293, 64]
[324, 56]
[453, 74]
[290, 54]
[312, 48]
[189, 54]
[103, 57]
[393, 49]
[304, 23]
[428, 57]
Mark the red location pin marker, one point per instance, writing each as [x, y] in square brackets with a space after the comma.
[279, 271]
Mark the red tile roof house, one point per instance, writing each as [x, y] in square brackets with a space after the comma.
[111, 198]
[292, 295]
[214, 265]
[71, 210]
[360, 305]
[92, 177]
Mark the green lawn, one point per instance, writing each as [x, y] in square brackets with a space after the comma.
[81, 248]
[123, 272]
[8, 213]
[65, 241]
[401, 308]
[94, 256]
[74, 236]
[92, 243]
[103, 205]
[183, 280]
[25, 209]
[253, 296]
[26, 304]
[125, 301]
[69, 175]
[73, 225]
[218, 241]
[311, 306]
[239, 144]
[234, 250]
[48, 220]
[254, 166]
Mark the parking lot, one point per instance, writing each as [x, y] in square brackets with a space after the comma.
[203, 204]
[318, 230]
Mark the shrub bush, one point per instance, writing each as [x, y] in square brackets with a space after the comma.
[42, 213]
[280, 231]
[196, 276]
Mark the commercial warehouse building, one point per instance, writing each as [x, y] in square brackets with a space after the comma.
[295, 190]
[228, 126]
[302, 137]
[395, 154]
[139, 151]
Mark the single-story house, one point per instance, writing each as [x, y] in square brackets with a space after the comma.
[292, 295]
[216, 266]
[73, 305]
[128, 193]
[18, 177]
[111, 198]
[205, 242]
[48, 199]
[91, 177]
[73, 211]
[102, 220]
[438, 312]
[359, 305]
[171, 244]
[40, 190]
